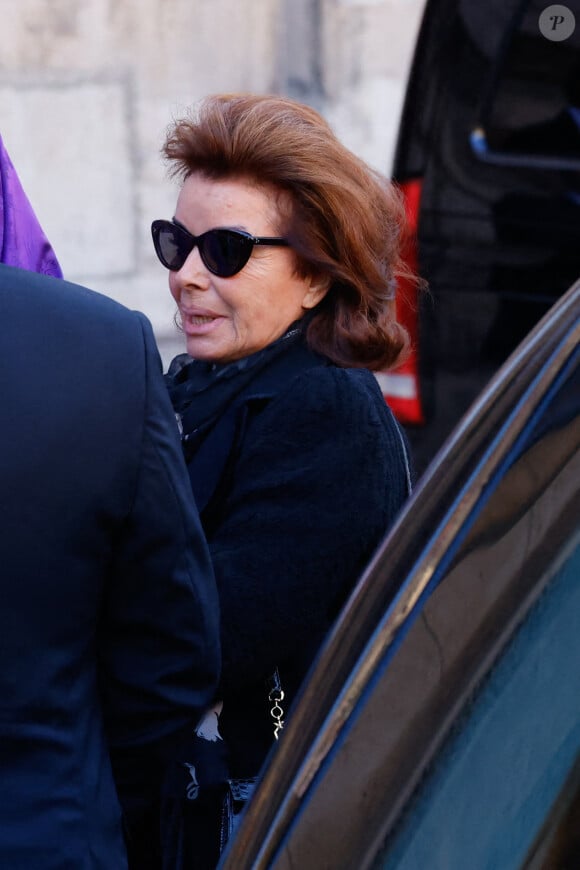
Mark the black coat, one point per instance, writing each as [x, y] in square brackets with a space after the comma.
[296, 485]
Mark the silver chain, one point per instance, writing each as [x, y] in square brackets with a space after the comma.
[277, 713]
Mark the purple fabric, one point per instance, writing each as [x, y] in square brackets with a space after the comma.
[22, 241]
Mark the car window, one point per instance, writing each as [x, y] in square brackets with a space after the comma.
[510, 754]
[557, 845]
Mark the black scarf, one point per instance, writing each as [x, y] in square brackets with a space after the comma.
[200, 391]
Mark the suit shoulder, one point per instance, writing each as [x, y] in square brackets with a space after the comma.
[53, 293]
[73, 327]
[63, 304]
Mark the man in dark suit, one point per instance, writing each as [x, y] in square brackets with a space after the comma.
[108, 609]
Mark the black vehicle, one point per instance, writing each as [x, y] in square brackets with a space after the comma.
[440, 726]
[488, 156]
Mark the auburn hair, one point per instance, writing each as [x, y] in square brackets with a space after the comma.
[345, 221]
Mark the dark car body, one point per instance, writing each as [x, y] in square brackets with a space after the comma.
[440, 725]
[488, 156]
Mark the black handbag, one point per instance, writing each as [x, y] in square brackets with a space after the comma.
[201, 804]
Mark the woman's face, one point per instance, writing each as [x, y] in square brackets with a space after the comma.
[225, 319]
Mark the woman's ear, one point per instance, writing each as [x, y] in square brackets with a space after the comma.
[316, 291]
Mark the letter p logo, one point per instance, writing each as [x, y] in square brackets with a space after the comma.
[557, 23]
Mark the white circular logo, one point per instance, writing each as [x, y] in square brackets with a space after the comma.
[557, 23]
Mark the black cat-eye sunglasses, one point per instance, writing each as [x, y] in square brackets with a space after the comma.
[224, 252]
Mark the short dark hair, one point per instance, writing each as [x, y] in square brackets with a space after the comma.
[345, 222]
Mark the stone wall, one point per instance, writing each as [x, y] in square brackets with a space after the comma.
[87, 88]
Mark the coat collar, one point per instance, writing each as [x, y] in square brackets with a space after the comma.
[209, 459]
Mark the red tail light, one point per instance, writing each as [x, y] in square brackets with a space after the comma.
[401, 386]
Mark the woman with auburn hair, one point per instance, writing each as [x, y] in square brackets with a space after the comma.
[283, 255]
